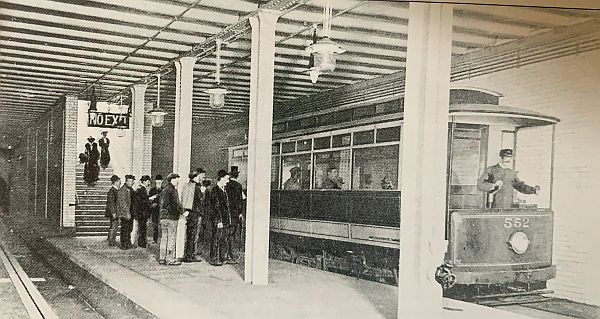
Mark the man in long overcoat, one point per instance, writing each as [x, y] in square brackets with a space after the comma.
[221, 221]
[124, 211]
[111, 209]
[142, 209]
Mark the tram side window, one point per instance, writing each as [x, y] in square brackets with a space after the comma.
[376, 168]
[332, 170]
[295, 172]
[240, 159]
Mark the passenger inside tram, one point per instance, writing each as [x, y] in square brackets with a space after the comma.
[333, 180]
[293, 183]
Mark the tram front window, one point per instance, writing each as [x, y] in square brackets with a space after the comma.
[533, 165]
[516, 174]
[376, 168]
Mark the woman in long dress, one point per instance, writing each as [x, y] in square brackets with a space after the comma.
[104, 142]
[91, 168]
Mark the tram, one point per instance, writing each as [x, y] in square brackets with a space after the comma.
[335, 193]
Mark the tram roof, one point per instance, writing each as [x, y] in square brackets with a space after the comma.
[498, 114]
[50, 48]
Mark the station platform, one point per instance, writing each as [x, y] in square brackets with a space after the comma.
[191, 289]
[199, 290]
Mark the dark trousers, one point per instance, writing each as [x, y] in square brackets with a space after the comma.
[112, 231]
[142, 229]
[126, 228]
[221, 246]
[190, 235]
[155, 225]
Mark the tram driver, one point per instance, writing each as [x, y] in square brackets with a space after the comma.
[499, 182]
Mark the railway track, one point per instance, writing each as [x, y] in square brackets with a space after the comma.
[34, 303]
[514, 298]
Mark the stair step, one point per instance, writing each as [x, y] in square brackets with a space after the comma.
[93, 228]
[86, 218]
[91, 205]
[89, 212]
[92, 201]
[91, 234]
[92, 193]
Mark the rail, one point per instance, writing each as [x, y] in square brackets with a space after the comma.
[35, 304]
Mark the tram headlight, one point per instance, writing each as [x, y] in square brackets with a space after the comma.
[518, 242]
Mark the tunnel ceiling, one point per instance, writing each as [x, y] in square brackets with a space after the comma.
[51, 48]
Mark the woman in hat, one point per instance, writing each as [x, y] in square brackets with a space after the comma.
[104, 142]
[91, 169]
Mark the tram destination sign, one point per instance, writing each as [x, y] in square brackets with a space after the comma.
[108, 120]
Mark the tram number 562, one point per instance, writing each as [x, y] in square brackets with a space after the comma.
[516, 222]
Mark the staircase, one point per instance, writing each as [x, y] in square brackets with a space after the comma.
[91, 204]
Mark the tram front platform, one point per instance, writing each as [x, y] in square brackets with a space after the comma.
[199, 290]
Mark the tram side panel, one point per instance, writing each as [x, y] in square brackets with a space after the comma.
[350, 232]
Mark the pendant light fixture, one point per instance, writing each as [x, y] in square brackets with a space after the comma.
[157, 115]
[324, 51]
[93, 101]
[217, 93]
[121, 131]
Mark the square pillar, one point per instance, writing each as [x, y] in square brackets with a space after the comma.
[262, 69]
[182, 148]
[147, 140]
[138, 93]
[424, 159]
[70, 160]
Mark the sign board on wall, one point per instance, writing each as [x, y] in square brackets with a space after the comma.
[108, 120]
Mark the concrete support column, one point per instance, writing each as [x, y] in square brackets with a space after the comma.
[262, 64]
[147, 148]
[70, 161]
[424, 157]
[183, 115]
[138, 93]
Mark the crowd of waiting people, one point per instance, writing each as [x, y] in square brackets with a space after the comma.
[182, 215]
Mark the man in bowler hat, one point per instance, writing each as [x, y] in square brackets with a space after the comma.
[221, 221]
[236, 196]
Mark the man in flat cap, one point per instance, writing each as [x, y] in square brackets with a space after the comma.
[124, 196]
[221, 221]
[499, 182]
[154, 199]
[111, 209]
[170, 210]
[142, 209]
[190, 200]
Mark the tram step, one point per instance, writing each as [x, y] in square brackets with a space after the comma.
[515, 298]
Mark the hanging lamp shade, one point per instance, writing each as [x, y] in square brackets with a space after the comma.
[157, 114]
[216, 94]
[323, 52]
[93, 101]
